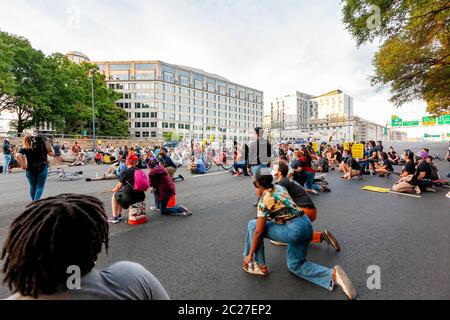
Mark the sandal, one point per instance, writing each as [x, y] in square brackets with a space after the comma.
[255, 269]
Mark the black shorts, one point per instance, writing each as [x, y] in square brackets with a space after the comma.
[126, 198]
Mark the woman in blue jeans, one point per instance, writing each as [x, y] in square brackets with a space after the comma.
[33, 158]
[279, 219]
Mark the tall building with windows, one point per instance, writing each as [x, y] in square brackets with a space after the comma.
[162, 98]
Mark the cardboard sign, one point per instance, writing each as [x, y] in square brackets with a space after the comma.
[315, 146]
[358, 150]
[347, 145]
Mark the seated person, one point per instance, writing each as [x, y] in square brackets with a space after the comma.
[81, 160]
[423, 173]
[99, 158]
[408, 181]
[113, 172]
[62, 232]
[197, 166]
[164, 190]
[323, 164]
[373, 156]
[434, 170]
[167, 163]
[393, 156]
[352, 168]
[124, 194]
[384, 167]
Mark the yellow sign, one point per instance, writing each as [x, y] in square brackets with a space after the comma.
[358, 150]
[347, 145]
[376, 189]
[204, 141]
[315, 146]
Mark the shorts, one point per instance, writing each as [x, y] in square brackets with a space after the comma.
[126, 198]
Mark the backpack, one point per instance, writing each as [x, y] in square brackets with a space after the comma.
[434, 172]
[141, 181]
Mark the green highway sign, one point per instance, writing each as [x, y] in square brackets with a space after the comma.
[410, 123]
[429, 120]
[444, 119]
[396, 122]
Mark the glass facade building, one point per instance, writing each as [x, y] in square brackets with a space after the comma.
[162, 98]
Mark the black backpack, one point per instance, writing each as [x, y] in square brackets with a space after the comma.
[40, 150]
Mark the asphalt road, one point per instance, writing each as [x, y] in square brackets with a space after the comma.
[200, 257]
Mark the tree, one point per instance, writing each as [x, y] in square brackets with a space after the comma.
[24, 84]
[414, 57]
[52, 88]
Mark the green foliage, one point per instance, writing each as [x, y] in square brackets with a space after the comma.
[414, 56]
[52, 88]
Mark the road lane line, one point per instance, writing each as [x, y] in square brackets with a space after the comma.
[209, 174]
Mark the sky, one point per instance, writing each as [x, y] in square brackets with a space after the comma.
[277, 46]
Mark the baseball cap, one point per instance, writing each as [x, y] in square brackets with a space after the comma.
[258, 129]
[422, 154]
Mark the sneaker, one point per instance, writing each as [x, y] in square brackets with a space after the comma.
[181, 177]
[254, 268]
[331, 240]
[120, 218]
[114, 220]
[238, 174]
[342, 280]
[430, 189]
[313, 191]
[448, 195]
[186, 210]
[88, 179]
[417, 190]
[326, 189]
[278, 243]
[255, 204]
[153, 208]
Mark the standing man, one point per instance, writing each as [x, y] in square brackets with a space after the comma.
[57, 152]
[76, 149]
[6, 155]
[258, 156]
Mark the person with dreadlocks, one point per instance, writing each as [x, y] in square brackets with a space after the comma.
[57, 234]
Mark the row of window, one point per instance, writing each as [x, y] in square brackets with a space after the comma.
[179, 90]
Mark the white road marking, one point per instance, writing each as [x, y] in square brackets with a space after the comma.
[208, 174]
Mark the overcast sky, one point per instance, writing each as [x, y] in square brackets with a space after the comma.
[277, 46]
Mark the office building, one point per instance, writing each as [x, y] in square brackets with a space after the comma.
[162, 98]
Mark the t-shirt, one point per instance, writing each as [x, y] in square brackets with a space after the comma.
[409, 167]
[324, 164]
[371, 151]
[57, 149]
[36, 158]
[277, 204]
[297, 193]
[338, 156]
[353, 164]
[168, 162]
[6, 148]
[388, 165]
[423, 167]
[121, 281]
[299, 177]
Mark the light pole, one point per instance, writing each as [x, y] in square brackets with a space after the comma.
[93, 113]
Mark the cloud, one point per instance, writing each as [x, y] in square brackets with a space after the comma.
[271, 45]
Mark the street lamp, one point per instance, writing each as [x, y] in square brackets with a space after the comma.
[93, 112]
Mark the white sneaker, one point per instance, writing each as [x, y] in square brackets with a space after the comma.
[448, 195]
[417, 190]
[345, 283]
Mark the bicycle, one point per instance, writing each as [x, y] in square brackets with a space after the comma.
[66, 176]
[223, 160]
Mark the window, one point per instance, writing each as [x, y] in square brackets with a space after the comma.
[145, 66]
[153, 134]
[168, 77]
[153, 124]
[137, 124]
[185, 100]
[211, 121]
[137, 134]
[198, 84]
[145, 114]
[187, 126]
[184, 117]
[198, 119]
[149, 75]
[142, 96]
[198, 111]
[198, 94]
[169, 88]
[184, 81]
[185, 91]
[165, 125]
[137, 115]
[153, 114]
[210, 96]
[145, 134]
[222, 90]
[185, 109]
[169, 106]
[211, 113]
[119, 67]
[198, 102]
[169, 116]
[168, 97]
[181, 126]
[145, 124]
[211, 87]
[119, 76]
[232, 93]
